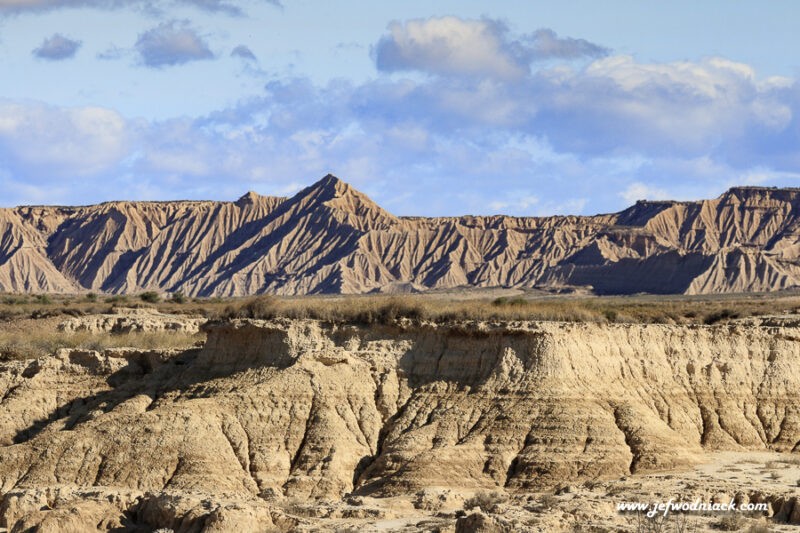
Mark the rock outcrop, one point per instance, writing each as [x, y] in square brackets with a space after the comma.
[330, 238]
[214, 437]
[132, 320]
[301, 409]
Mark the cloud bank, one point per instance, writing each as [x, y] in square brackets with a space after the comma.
[529, 124]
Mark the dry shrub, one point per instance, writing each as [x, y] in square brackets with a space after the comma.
[442, 308]
[485, 501]
[731, 522]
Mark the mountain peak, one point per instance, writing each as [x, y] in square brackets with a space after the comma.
[351, 203]
[330, 185]
[249, 198]
[330, 179]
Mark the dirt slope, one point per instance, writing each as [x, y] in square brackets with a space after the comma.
[330, 238]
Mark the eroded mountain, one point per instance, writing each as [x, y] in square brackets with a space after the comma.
[330, 238]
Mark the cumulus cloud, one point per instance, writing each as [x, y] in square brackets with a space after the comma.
[52, 142]
[485, 47]
[688, 108]
[171, 43]
[451, 45]
[243, 52]
[57, 48]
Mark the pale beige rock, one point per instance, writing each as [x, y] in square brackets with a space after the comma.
[226, 437]
[132, 320]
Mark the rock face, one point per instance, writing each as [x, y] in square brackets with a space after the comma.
[301, 409]
[129, 320]
[329, 238]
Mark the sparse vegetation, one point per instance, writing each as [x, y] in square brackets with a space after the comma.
[547, 502]
[43, 299]
[486, 501]
[717, 316]
[385, 309]
[731, 522]
[150, 297]
[178, 298]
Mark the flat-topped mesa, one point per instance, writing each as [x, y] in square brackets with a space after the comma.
[332, 238]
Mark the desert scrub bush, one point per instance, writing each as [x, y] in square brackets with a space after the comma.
[390, 311]
[15, 300]
[485, 501]
[515, 301]
[151, 297]
[259, 307]
[547, 502]
[718, 316]
[731, 522]
[178, 298]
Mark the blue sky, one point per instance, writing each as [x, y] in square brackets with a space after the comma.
[431, 108]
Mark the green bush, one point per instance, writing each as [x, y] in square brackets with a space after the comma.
[150, 297]
[718, 316]
[178, 298]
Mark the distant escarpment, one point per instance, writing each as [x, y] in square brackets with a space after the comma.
[330, 238]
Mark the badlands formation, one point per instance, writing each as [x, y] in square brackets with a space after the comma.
[408, 424]
[301, 425]
[330, 238]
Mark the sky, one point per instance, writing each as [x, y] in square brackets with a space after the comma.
[432, 107]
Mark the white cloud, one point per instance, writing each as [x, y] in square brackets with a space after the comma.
[450, 45]
[171, 43]
[640, 191]
[43, 142]
[464, 47]
[520, 202]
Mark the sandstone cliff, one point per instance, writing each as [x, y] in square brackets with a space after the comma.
[330, 238]
[298, 408]
[210, 438]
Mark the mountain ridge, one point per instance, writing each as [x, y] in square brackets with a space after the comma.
[331, 238]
